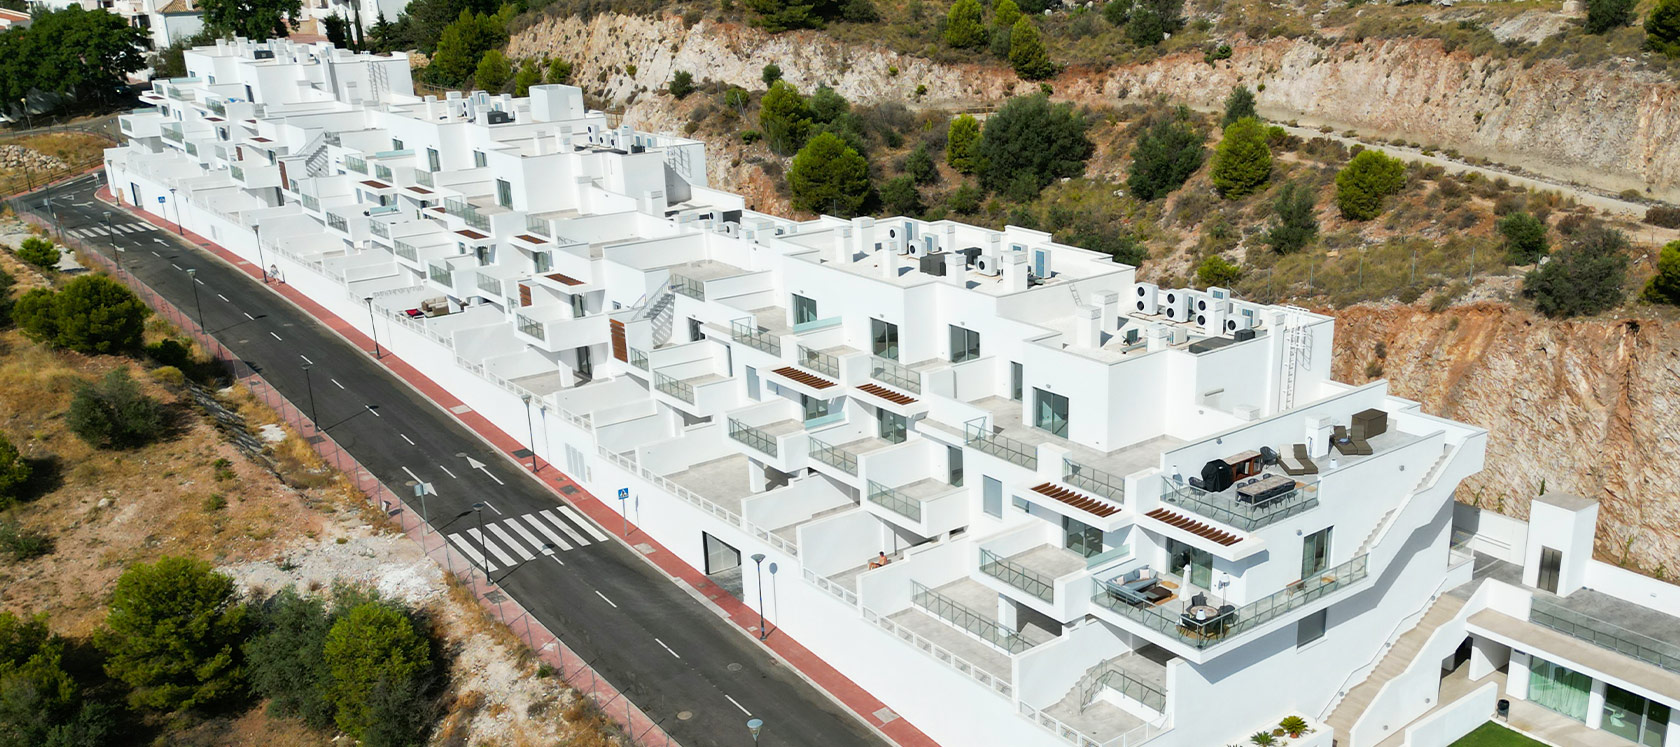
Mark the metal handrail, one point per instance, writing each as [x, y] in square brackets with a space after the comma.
[1123, 682]
[752, 437]
[833, 456]
[957, 614]
[1244, 516]
[688, 286]
[1106, 484]
[1606, 634]
[1016, 575]
[816, 360]
[893, 373]
[673, 386]
[895, 501]
[638, 359]
[462, 209]
[746, 332]
[356, 164]
[1003, 447]
[538, 225]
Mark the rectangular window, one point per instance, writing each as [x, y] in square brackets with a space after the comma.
[893, 426]
[1080, 537]
[814, 407]
[965, 344]
[992, 497]
[396, 144]
[432, 163]
[1632, 717]
[954, 466]
[694, 333]
[1051, 412]
[1016, 380]
[1311, 627]
[504, 193]
[478, 159]
[884, 336]
[804, 309]
[1315, 552]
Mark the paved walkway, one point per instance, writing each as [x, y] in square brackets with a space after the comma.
[868, 708]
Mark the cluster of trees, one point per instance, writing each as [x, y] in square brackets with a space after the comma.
[1585, 276]
[90, 314]
[782, 15]
[1146, 22]
[469, 44]
[1011, 36]
[1662, 26]
[72, 56]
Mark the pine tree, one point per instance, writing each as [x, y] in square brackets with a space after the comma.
[1026, 51]
[1243, 162]
[960, 142]
[1662, 28]
[1365, 181]
[493, 71]
[828, 176]
[1005, 13]
[1238, 105]
[1166, 155]
[965, 26]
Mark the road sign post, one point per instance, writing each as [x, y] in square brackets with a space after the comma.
[624, 510]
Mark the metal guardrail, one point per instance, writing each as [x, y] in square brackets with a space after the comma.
[441, 275]
[673, 386]
[356, 164]
[379, 228]
[1003, 447]
[955, 613]
[999, 686]
[237, 171]
[895, 501]
[833, 456]
[381, 171]
[1248, 616]
[688, 286]
[461, 209]
[1606, 634]
[1016, 575]
[536, 225]
[311, 203]
[337, 221]
[423, 178]
[487, 283]
[818, 361]
[530, 326]
[746, 332]
[893, 373]
[1123, 682]
[638, 359]
[752, 437]
[1105, 484]
[407, 251]
[1234, 513]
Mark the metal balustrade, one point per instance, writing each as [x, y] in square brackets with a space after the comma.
[311, 203]
[1106, 484]
[752, 437]
[955, 613]
[746, 332]
[638, 359]
[1121, 681]
[833, 456]
[1018, 576]
[441, 275]
[337, 221]
[530, 326]
[423, 178]
[1245, 618]
[895, 501]
[379, 228]
[893, 373]
[356, 164]
[1003, 447]
[537, 225]
[1231, 512]
[237, 171]
[381, 171]
[489, 284]
[407, 251]
[675, 387]
[688, 286]
[462, 209]
[818, 361]
[1605, 634]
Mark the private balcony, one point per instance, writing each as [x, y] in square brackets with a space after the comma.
[554, 329]
[1233, 508]
[927, 507]
[1031, 565]
[772, 432]
[255, 174]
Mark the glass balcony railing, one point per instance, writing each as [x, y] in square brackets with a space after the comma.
[381, 171]
[818, 361]
[833, 456]
[688, 286]
[407, 251]
[338, 222]
[747, 333]
[953, 612]
[461, 209]
[893, 373]
[537, 225]
[423, 178]
[379, 228]
[895, 501]
[311, 203]
[1018, 576]
[441, 275]
[489, 284]
[1231, 512]
[530, 326]
[1021, 453]
[1605, 634]
[171, 132]
[1123, 682]
[638, 359]
[1105, 484]
[217, 106]
[752, 437]
[356, 164]
[674, 387]
[237, 171]
[192, 148]
[1247, 617]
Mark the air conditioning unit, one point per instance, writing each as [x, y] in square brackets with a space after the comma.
[1211, 312]
[1239, 319]
[987, 264]
[1146, 299]
[1175, 305]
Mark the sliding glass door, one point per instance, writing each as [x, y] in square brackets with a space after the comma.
[1559, 689]
[1634, 718]
[1051, 412]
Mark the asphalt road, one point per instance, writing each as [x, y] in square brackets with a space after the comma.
[678, 660]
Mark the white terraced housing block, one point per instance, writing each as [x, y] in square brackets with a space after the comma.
[1114, 513]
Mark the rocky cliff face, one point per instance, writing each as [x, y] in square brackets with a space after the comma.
[1611, 129]
[1588, 407]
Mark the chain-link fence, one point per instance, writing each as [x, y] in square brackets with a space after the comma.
[629, 723]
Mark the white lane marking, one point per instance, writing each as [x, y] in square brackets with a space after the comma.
[564, 527]
[446, 470]
[155, 254]
[224, 298]
[335, 382]
[196, 280]
[587, 527]
[605, 599]
[491, 546]
[176, 266]
[667, 648]
[411, 474]
[549, 533]
[406, 438]
[467, 550]
[737, 704]
[277, 337]
[306, 359]
[248, 315]
[375, 412]
[492, 507]
[529, 537]
[508, 538]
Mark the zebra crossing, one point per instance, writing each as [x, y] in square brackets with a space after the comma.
[97, 230]
[511, 541]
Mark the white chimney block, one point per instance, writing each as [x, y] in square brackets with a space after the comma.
[1157, 337]
[1110, 302]
[840, 252]
[955, 273]
[652, 203]
[1014, 272]
[1087, 327]
[863, 232]
[888, 262]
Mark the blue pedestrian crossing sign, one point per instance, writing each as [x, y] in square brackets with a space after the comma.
[624, 494]
[160, 199]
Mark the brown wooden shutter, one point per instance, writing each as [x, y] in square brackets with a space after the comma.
[621, 349]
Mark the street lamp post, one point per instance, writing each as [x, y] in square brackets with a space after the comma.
[262, 264]
[173, 200]
[425, 516]
[758, 560]
[309, 384]
[192, 277]
[372, 328]
[755, 726]
[531, 431]
[478, 510]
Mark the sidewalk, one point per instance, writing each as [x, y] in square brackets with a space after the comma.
[812, 668]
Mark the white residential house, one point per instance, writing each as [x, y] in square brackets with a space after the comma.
[164, 21]
[1113, 513]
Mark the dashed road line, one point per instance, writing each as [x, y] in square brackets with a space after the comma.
[667, 648]
[248, 315]
[277, 337]
[335, 382]
[582, 522]
[614, 606]
[224, 298]
[406, 438]
[446, 470]
[737, 704]
[306, 359]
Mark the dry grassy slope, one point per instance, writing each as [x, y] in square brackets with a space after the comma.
[1588, 405]
[1615, 133]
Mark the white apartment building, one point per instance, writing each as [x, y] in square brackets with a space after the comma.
[1113, 513]
[164, 21]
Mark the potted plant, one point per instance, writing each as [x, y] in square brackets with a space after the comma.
[1263, 739]
[1294, 726]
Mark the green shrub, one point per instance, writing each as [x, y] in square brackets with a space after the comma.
[20, 544]
[285, 660]
[173, 635]
[375, 651]
[115, 413]
[1365, 181]
[1216, 270]
[899, 197]
[1242, 163]
[1029, 143]
[559, 72]
[828, 176]
[1215, 54]
[1525, 238]
[1238, 105]
[39, 252]
[1005, 13]
[14, 473]
[919, 166]
[965, 27]
[1584, 277]
[530, 74]
[961, 139]
[1026, 51]
[1662, 28]
[1666, 216]
[770, 74]
[965, 199]
[682, 84]
[1166, 155]
[785, 117]
[1297, 223]
[1664, 287]
[1606, 15]
[90, 314]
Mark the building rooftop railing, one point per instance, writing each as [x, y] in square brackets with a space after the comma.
[1003, 447]
[1017, 575]
[423, 178]
[538, 225]
[530, 326]
[893, 373]
[752, 437]
[407, 251]
[688, 286]
[955, 613]
[1231, 512]
[817, 360]
[461, 209]
[673, 386]
[1606, 634]
[356, 164]
[638, 359]
[1103, 483]
[895, 501]
[833, 456]
[746, 332]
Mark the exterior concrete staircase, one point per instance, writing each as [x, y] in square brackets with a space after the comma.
[1395, 661]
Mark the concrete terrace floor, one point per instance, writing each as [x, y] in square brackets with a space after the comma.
[960, 643]
[721, 481]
